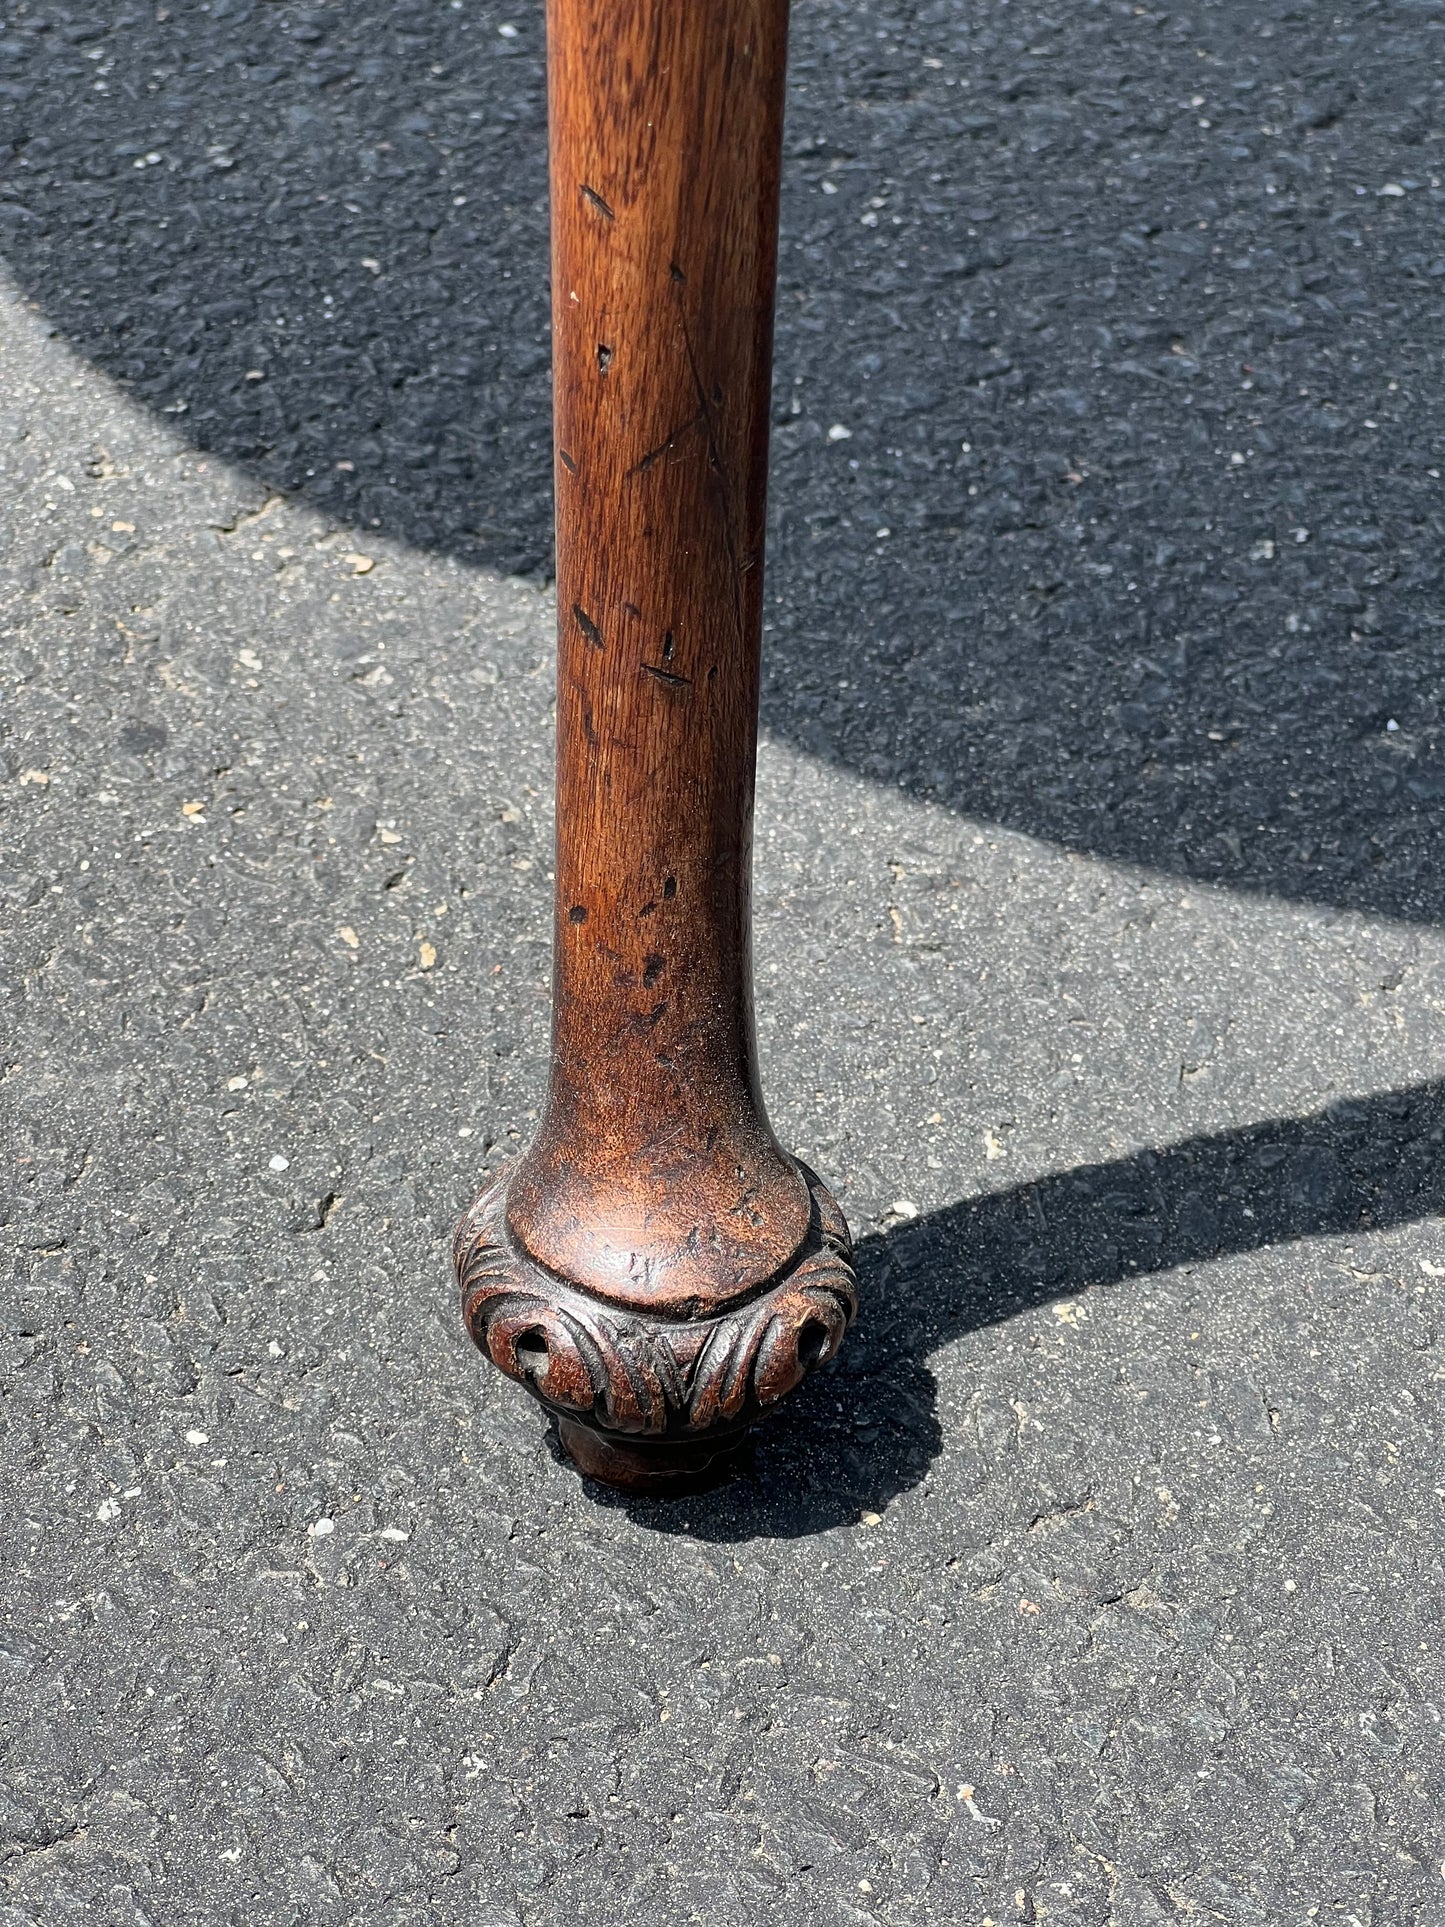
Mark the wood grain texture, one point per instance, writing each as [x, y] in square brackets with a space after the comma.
[655, 1182]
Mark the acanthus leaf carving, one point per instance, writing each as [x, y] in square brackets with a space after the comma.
[646, 1377]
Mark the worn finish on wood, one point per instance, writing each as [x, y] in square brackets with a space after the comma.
[655, 1267]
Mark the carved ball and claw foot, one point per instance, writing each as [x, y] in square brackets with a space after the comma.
[642, 1400]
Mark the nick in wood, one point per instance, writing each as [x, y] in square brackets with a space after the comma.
[656, 1268]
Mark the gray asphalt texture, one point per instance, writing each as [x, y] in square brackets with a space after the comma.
[1100, 971]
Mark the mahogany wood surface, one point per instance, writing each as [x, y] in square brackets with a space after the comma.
[655, 1267]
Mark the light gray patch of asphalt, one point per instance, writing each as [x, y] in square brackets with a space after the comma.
[1098, 1583]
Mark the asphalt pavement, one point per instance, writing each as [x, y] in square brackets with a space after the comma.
[1100, 972]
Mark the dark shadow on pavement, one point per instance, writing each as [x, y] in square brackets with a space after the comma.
[1106, 499]
[860, 1433]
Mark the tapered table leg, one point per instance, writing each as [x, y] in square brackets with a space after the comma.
[656, 1269]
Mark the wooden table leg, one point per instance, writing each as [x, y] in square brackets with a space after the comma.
[655, 1268]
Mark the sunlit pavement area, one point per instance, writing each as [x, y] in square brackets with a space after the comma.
[1099, 969]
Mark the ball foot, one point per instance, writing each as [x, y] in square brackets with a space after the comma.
[642, 1401]
[672, 1467]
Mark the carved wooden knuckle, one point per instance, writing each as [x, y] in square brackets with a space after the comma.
[648, 1377]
